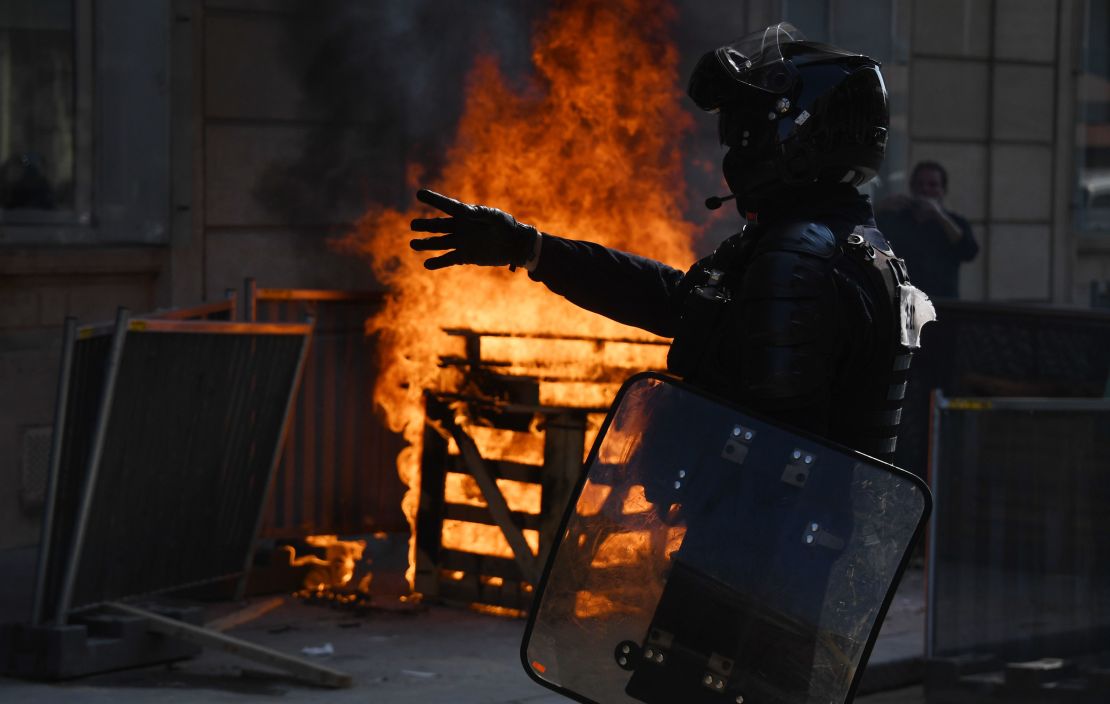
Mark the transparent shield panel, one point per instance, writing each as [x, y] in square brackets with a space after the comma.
[712, 556]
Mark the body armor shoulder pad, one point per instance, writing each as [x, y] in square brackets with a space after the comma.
[811, 238]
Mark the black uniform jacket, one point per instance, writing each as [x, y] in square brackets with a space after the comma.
[807, 336]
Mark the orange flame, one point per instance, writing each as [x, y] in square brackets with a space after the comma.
[338, 566]
[589, 148]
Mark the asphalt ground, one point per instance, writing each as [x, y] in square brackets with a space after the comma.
[427, 655]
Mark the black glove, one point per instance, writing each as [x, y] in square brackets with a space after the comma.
[475, 234]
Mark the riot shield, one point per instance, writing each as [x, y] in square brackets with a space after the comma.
[712, 556]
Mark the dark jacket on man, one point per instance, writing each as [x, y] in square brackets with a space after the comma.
[808, 335]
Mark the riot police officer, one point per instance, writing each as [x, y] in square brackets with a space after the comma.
[806, 317]
[799, 315]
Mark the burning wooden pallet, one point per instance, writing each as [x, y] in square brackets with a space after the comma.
[485, 523]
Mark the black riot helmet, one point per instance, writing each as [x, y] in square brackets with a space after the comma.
[793, 112]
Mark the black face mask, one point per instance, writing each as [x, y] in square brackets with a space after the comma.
[738, 126]
[733, 168]
[737, 169]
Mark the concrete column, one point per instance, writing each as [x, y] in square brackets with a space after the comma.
[183, 284]
[986, 101]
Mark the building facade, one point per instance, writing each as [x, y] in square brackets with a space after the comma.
[153, 154]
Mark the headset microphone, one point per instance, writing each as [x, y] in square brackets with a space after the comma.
[714, 202]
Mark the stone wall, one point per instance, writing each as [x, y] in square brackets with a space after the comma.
[983, 99]
[276, 142]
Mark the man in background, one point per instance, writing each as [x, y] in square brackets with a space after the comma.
[932, 240]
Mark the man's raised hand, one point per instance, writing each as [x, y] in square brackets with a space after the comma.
[472, 234]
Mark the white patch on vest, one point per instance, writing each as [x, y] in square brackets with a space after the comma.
[916, 310]
[801, 119]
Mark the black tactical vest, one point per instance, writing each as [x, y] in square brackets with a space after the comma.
[802, 326]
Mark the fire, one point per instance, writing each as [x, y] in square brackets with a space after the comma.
[499, 444]
[589, 148]
[478, 537]
[462, 489]
[338, 566]
[592, 498]
[636, 501]
[624, 548]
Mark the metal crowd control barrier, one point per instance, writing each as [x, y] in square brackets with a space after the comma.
[167, 435]
[227, 309]
[992, 349]
[338, 471]
[1018, 546]
[80, 386]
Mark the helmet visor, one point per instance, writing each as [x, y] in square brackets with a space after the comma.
[760, 48]
[753, 61]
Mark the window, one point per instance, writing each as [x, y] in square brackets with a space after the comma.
[1092, 198]
[38, 111]
[75, 74]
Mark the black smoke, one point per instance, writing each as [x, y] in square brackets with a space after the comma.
[384, 84]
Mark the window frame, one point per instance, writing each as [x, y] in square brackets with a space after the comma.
[1092, 231]
[122, 72]
[34, 221]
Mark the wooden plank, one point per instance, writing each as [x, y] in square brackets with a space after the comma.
[564, 443]
[509, 594]
[310, 466]
[464, 591]
[288, 472]
[511, 591]
[203, 311]
[314, 294]
[298, 667]
[528, 473]
[481, 514]
[516, 471]
[498, 507]
[245, 615]
[487, 565]
[429, 513]
[456, 591]
[351, 506]
[326, 395]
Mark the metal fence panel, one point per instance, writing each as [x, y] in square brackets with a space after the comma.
[1017, 559]
[227, 309]
[74, 422]
[991, 349]
[189, 438]
[338, 472]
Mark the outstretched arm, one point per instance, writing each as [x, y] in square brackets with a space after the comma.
[624, 287]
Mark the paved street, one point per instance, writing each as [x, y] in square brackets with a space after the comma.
[439, 654]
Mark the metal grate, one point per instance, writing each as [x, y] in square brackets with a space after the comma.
[34, 467]
[81, 382]
[1017, 562]
[193, 415]
[990, 349]
[338, 472]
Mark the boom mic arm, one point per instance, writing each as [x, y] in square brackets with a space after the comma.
[714, 202]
